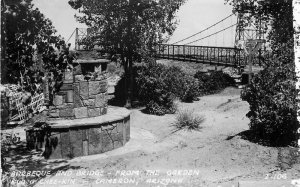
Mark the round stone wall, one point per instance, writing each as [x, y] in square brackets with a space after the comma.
[65, 139]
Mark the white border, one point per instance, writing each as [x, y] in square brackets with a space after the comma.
[296, 15]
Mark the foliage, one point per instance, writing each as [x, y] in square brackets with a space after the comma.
[131, 28]
[128, 25]
[26, 32]
[272, 93]
[186, 119]
[152, 89]
[111, 68]
[29, 48]
[161, 84]
[157, 85]
[276, 13]
[273, 104]
[213, 82]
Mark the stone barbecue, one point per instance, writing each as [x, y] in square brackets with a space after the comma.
[81, 123]
[79, 98]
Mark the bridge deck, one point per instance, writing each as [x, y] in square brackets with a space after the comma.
[220, 56]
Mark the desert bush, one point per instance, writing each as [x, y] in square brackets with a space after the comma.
[213, 82]
[273, 104]
[186, 119]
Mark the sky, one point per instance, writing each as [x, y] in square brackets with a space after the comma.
[193, 16]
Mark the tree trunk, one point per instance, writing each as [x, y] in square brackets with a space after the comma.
[129, 75]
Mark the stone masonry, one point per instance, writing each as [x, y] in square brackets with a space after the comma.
[88, 98]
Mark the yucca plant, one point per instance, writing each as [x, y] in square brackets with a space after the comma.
[186, 119]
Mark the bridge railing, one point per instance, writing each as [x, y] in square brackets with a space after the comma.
[205, 54]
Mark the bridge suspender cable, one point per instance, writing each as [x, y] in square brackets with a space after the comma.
[211, 34]
[71, 36]
[203, 30]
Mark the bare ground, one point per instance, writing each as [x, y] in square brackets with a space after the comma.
[217, 154]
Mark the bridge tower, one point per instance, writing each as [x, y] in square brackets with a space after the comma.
[250, 31]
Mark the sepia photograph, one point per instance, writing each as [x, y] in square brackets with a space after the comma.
[150, 93]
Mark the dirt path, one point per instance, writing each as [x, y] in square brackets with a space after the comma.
[212, 156]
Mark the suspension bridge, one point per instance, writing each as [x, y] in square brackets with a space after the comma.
[232, 55]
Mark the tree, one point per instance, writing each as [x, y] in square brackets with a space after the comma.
[278, 14]
[272, 94]
[129, 27]
[25, 30]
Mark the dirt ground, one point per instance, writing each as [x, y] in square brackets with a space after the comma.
[215, 155]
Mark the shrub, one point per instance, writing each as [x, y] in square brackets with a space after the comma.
[214, 82]
[157, 85]
[273, 104]
[186, 119]
[183, 86]
[190, 89]
[152, 90]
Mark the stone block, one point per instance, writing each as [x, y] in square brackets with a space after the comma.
[100, 100]
[108, 127]
[107, 143]
[66, 86]
[81, 112]
[93, 112]
[65, 145]
[103, 86]
[94, 87]
[79, 78]
[127, 126]
[117, 139]
[58, 100]
[65, 106]
[77, 100]
[84, 89]
[77, 70]
[67, 112]
[120, 127]
[69, 96]
[85, 148]
[95, 141]
[90, 103]
[76, 142]
[54, 146]
[92, 96]
[104, 111]
[68, 75]
[118, 144]
[54, 113]
[114, 129]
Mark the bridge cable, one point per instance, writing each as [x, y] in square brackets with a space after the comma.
[203, 30]
[71, 35]
[211, 34]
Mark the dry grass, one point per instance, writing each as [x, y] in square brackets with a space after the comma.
[186, 119]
